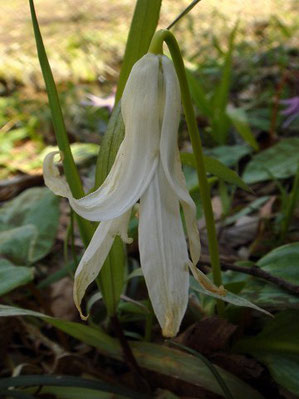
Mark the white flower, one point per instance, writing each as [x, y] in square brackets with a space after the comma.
[147, 168]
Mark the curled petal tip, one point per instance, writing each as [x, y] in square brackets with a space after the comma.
[84, 318]
[205, 282]
[52, 178]
[127, 240]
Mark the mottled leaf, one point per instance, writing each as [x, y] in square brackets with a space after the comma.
[28, 225]
[279, 161]
[158, 358]
[282, 262]
[12, 276]
[277, 346]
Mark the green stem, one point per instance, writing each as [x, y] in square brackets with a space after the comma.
[156, 48]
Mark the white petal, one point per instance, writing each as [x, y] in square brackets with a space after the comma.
[137, 157]
[52, 178]
[96, 253]
[171, 158]
[163, 253]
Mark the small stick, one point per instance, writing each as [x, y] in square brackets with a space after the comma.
[257, 272]
[129, 357]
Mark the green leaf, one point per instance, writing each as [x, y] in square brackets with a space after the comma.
[279, 161]
[216, 168]
[220, 122]
[239, 119]
[110, 145]
[229, 297]
[78, 393]
[198, 95]
[253, 206]
[94, 337]
[143, 26]
[70, 169]
[157, 358]
[111, 277]
[211, 367]
[277, 346]
[229, 154]
[29, 224]
[12, 276]
[69, 381]
[282, 262]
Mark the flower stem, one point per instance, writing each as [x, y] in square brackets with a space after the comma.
[156, 47]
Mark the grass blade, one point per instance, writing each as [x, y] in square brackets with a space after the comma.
[220, 99]
[70, 169]
[211, 367]
[182, 14]
[216, 168]
[239, 119]
[67, 381]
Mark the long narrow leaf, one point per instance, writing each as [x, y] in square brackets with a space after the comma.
[157, 358]
[111, 278]
[216, 168]
[210, 365]
[67, 381]
[239, 119]
[71, 172]
[199, 96]
[220, 99]
[185, 12]
[143, 26]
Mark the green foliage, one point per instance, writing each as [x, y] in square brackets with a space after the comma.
[220, 96]
[12, 276]
[93, 388]
[234, 91]
[277, 346]
[229, 155]
[215, 105]
[150, 356]
[279, 161]
[281, 262]
[216, 168]
[28, 225]
[229, 297]
[240, 121]
[70, 170]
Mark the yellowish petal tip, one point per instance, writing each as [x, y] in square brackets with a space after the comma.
[82, 316]
[205, 282]
[170, 328]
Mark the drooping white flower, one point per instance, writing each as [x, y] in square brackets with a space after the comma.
[147, 168]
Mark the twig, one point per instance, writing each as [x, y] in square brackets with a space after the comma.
[129, 357]
[257, 272]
